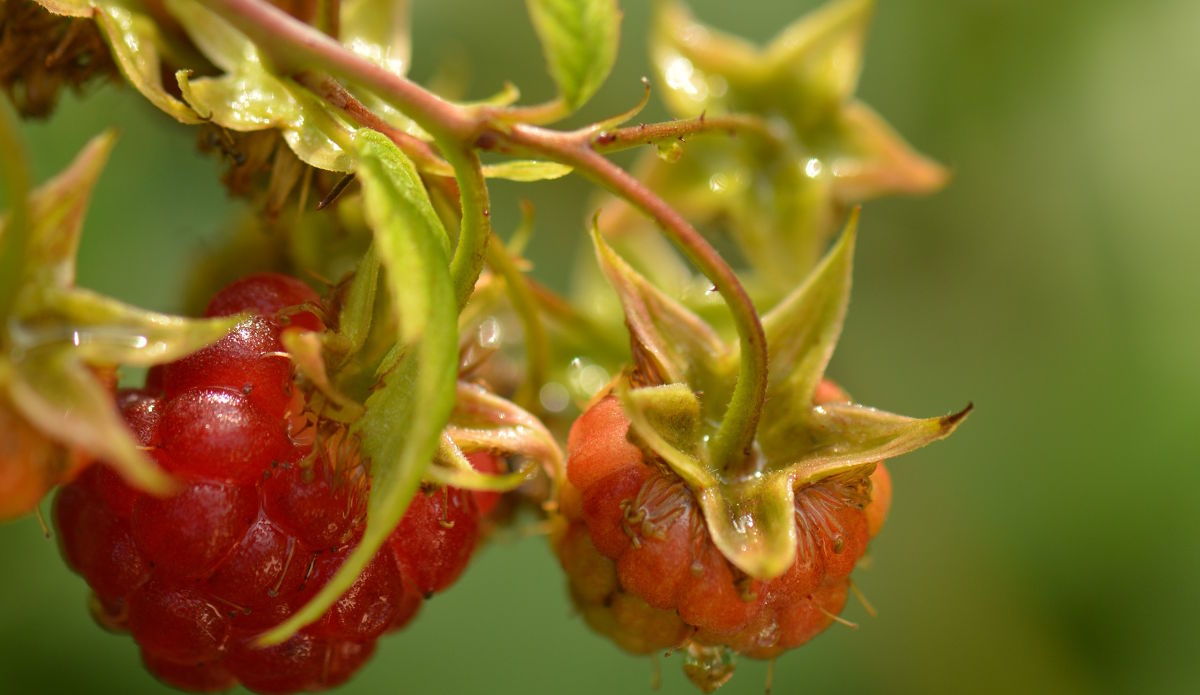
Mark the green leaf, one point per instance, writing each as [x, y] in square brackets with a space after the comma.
[378, 30]
[225, 46]
[133, 40]
[824, 48]
[579, 39]
[400, 430]
[881, 162]
[59, 396]
[672, 345]
[526, 170]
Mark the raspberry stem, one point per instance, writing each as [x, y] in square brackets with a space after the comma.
[460, 130]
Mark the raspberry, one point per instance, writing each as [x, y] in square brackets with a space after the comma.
[270, 502]
[643, 568]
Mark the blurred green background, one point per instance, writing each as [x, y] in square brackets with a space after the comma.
[1051, 545]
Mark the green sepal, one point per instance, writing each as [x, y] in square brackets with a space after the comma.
[675, 344]
[56, 211]
[450, 467]
[685, 458]
[803, 329]
[400, 429]
[103, 331]
[484, 421]
[308, 355]
[54, 330]
[58, 395]
[753, 523]
[579, 39]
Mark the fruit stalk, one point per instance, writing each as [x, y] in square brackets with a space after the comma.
[458, 130]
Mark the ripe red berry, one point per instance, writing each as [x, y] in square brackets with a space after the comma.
[263, 517]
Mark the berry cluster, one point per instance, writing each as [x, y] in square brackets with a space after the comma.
[644, 571]
[271, 500]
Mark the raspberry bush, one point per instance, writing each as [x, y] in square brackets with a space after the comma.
[298, 470]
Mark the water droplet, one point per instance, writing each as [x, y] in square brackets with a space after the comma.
[554, 397]
[670, 151]
[813, 168]
[490, 334]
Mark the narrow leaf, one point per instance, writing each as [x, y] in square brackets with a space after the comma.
[579, 39]
[68, 8]
[451, 467]
[844, 436]
[217, 39]
[483, 420]
[404, 417]
[824, 47]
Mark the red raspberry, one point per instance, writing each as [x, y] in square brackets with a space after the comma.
[644, 570]
[263, 518]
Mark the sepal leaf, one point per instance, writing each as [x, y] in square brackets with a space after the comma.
[483, 420]
[803, 329]
[671, 344]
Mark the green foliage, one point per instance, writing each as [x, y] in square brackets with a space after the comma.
[579, 39]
